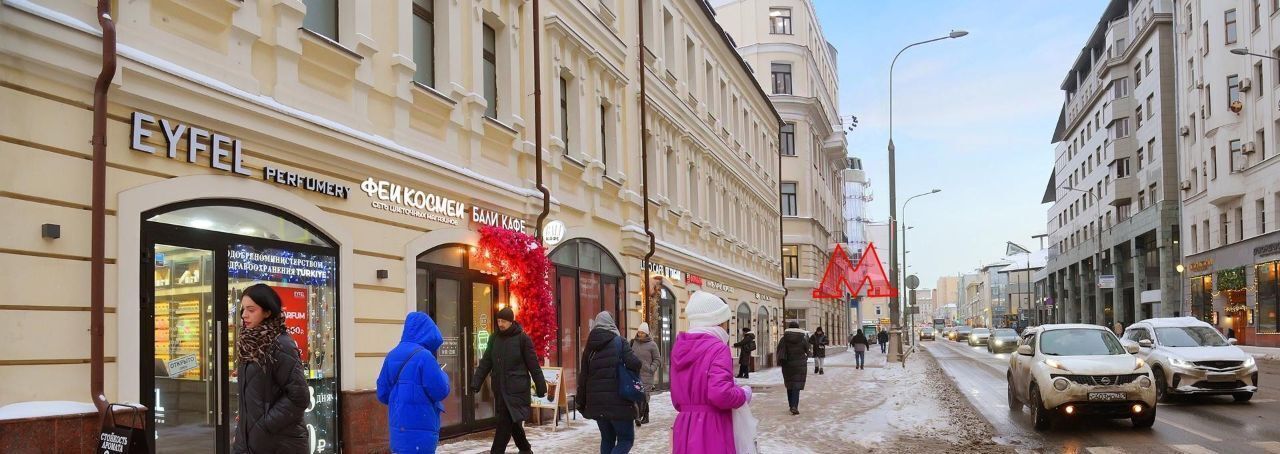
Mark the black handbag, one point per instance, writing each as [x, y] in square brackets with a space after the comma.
[117, 439]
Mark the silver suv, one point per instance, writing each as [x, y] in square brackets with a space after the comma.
[1189, 356]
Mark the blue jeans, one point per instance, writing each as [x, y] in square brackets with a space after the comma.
[883, 346]
[616, 437]
[859, 357]
[793, 398]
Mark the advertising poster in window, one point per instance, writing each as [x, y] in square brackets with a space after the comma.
[293, 303]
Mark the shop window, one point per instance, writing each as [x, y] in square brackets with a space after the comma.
[743, 320]
[1268, 297]
[1201, 288]
[589, 281]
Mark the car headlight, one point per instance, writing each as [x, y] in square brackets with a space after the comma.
[1138, 363]
[1061, 384]
[1179, 362]
[1054, 364]
[1144, 382]
[1249, 362]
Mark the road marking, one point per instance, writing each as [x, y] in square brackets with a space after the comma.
[1268, 446]
[1105, 450]
[1191, 431]
[1192, 449]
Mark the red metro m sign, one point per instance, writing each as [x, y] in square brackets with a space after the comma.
[842, 277]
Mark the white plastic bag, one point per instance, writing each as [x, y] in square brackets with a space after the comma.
[744, 430]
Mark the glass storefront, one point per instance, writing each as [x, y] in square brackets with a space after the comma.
[463, 302]
[1201, 294]
[764, 349]
[198, 258]
[1268, 297]
[665, 333]
[588, 281]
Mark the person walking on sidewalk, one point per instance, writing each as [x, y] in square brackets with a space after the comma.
[599, 397]
[818, 344]
[413, 387]
[745, 347]
[650, 360]
[273, 391]
[883, 337]
[793, 354]
[702, 388]
[860, 346]
[509, 356]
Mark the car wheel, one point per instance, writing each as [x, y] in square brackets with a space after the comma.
[1015, 405]
[1162, 386]
[1039, 414]
[1146, 420]
[1242, 397]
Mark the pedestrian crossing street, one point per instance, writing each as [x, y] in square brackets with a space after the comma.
[1271, 447]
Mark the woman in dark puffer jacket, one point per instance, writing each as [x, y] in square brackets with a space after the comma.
[598, 393]
[273, 390]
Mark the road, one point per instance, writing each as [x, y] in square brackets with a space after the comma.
[1194, 426]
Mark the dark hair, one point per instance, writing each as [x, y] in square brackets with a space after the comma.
[746, 329]
[265, 297]
[793, 325]
[819, 330]
[859, 332]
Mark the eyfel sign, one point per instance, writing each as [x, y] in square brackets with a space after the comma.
[224, 152]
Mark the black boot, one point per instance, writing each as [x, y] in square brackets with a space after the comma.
[795, 411]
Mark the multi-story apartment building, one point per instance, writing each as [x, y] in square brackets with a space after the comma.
[975, 309]
[1228, 137]
[1019, 291]
[784, 43]
[347, 153]
[946, 293]
[1113, 225]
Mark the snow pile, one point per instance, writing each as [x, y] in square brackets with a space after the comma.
[1263, 353]
[45, 409]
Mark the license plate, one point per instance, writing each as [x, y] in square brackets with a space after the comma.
[1106, 396]
[1222, 377]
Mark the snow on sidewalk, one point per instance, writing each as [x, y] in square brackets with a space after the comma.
[885, 407]
[1267, 353]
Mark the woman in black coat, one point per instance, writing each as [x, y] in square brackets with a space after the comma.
[818, 345]
[511, 359]
[273, 390]
[598, 392]
[793, 354]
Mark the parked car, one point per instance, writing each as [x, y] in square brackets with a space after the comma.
[979, 336]
[1188, 356]
[1003, 340]
[962, 334]
[1065, 372]
[927, 333]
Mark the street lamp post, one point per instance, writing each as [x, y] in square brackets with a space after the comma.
[1097, 259]
[894, 311]
[911, 317]
[1245, 51]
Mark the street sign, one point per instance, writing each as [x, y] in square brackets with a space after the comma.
[913, 282]
[1107, 281]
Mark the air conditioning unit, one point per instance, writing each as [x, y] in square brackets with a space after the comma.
[1186, 185]
[1249, 148]
[1184, 131]
[1245, 84]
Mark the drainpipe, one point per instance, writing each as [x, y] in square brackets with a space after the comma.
[97, 275]
[644, 172]
[537, 117]
[782, 269]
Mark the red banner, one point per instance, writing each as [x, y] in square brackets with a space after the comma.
[293, 303]
[843, 276]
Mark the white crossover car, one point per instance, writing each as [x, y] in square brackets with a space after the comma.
[1065, 372]
[1189, 356]
[979, 336]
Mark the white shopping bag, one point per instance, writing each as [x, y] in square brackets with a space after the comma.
[744, 430]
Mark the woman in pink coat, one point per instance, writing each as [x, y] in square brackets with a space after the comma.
[702, 387]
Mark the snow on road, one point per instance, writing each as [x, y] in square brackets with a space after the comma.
[884, 408]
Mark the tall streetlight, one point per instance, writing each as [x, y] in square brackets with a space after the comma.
[911, 317]
[1097, 259]
[1245, 51]
[894, 312]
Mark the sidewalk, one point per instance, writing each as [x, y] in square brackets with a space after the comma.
[879, 409]
[1266, 353]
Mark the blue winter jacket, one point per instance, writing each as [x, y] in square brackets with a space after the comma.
[415, 401]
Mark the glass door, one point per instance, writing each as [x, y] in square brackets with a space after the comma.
[463, 304]
[484, 296]
[444, 303]
[188, 379]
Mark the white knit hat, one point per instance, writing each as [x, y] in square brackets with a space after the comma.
[705, 309]
[644, 328]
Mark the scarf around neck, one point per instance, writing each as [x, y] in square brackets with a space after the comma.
[716, 331]
[257, 345]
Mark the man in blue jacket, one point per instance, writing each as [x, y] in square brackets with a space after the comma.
[414, 387]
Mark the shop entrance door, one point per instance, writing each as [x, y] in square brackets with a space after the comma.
[463, 304]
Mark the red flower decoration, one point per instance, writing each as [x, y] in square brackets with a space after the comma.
[521, 260]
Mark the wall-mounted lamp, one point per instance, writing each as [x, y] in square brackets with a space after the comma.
[51, 231]
[383, 274]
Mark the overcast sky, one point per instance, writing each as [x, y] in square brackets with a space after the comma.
[972, 116]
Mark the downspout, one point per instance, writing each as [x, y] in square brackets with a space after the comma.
[644, 173]
[97, 275]
[537, 118]
[782, 269]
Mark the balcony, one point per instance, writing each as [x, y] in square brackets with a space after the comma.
[1122, 107]
[1125, 190]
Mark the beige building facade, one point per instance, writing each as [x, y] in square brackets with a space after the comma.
[347, 153]
[784, 43]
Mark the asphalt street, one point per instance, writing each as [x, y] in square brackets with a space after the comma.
[1188, 425]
